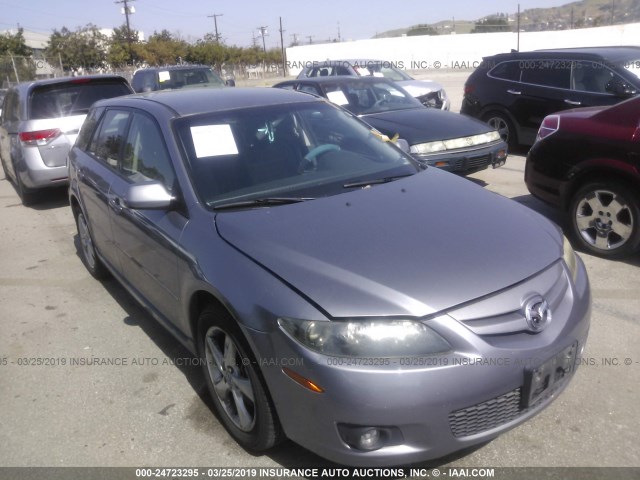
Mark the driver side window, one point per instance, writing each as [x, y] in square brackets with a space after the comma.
[145, 155]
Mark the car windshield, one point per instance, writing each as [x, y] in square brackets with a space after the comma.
[188, 77]
[362, 98]
[72, 98]
[285, 152]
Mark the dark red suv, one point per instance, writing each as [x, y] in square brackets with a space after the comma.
[586, 161]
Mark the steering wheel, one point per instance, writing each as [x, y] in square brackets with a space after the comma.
[383, 99]
[309, 162]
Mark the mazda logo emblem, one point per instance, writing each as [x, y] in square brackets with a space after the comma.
[537, 313]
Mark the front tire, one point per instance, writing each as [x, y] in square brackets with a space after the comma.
[605, 219]
[236, 387]
[88, 251]
[504, 126]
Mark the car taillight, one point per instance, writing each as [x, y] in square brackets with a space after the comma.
[39, 137]
[549, 125]
[469, 89]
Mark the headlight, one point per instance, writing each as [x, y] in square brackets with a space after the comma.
[569, 257]
[366, 338]
[455, 143]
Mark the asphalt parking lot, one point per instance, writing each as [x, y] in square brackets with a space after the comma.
[151, 409]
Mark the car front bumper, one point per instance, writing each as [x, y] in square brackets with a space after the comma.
[467, 161]
[427, 407]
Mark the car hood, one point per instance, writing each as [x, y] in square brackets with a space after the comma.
[417, 88]
[422, 124]
[411, 247]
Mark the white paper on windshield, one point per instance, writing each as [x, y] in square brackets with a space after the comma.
[378, 74]
[363, 71]
[337, 97]
[213, 141]
[164, 76]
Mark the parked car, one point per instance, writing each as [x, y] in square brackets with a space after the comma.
[303, 259]
[428, 92]
[585, 161]
[40, 121]
[443, 139]
[176, 76]
[515, 91]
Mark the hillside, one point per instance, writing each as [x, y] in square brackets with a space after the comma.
[580, 14]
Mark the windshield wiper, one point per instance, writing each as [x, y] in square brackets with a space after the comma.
[375, 181]
[261, 202]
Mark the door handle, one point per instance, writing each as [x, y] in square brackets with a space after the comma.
[115, 204]
[514, 92]
[572, 102]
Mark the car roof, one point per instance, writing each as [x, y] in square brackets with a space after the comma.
[208, 100]
[172, 67]
[612, 54]
[79, 79]
[348, 61]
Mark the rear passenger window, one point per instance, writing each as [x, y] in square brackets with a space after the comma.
[107, 145]
[548, 73]
[507, 71]
[145, 156]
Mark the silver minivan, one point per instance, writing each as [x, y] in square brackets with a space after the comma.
[39, 123]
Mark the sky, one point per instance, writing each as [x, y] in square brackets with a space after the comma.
[240, 20]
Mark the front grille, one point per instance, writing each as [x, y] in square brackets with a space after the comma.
[478, 162]
[486, 415]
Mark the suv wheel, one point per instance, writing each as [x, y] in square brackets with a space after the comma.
[27, 195]
[88, 251]
[234, 382]
[605, 219]
[504, 126]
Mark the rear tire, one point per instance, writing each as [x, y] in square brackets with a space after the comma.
[505, 127]
[605, 219]
[27, 195]
[235, 383]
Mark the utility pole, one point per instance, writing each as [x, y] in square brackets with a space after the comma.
[263, 33]
[284, 56]
[215, 22]
[310, 37]
[295, 39]
[613, 9]
[339, 37]
[518, 26]
[127, 10]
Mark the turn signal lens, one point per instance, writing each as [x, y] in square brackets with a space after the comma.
[305, 382]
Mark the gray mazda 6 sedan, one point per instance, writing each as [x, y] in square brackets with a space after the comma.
[334, 291]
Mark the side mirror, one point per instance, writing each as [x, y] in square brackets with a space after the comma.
[620, 89]
[151, 195]
[230, 82]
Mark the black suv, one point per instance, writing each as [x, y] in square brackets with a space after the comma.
[514, 91]
[176, 76]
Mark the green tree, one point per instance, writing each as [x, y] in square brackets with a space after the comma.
[15, 56]
[491, 24]
[124, 48]
[164, 49]
[421, 30]
[85, 48]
